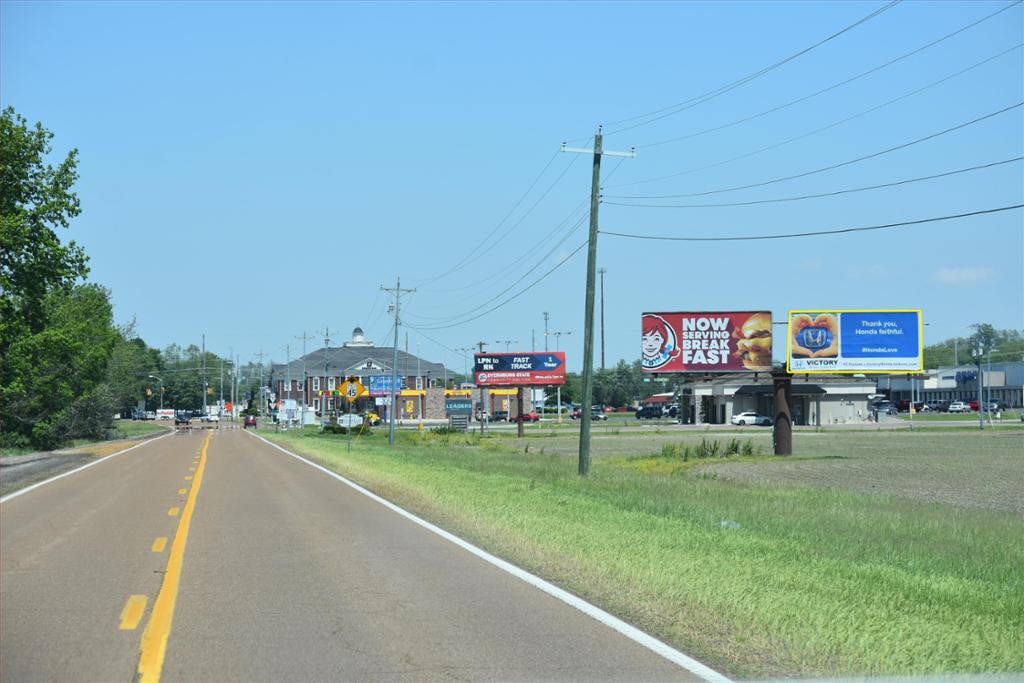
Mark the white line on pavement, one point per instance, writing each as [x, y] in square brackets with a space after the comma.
[79, 469]
[613, 622]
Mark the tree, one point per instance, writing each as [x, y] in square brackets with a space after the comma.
[35, 200]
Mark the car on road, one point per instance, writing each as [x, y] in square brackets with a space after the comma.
[182, 419]
[596, 413]
[531, 416]
[751, 418]
[958, 407]
[652, 412]
[211, 417]
[250, 421]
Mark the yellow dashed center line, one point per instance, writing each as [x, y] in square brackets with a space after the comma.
[159, 544]
[158, 629]
[182, 492]
[132, 613]
[188, 478]
[173, 512]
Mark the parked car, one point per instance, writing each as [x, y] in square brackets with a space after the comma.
[884, 408]
[751, 418]
[652, 412]
[974, 405]
[993, 406]
[597, 413]
[250, 421]
[937, 406]
[498, 416]
[958, 407]
[371, 418]
[531, 416]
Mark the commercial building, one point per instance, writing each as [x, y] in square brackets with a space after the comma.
[318, 375]
[1003, 382]
[815, 400]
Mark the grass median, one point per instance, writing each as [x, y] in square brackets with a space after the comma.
[753, 576]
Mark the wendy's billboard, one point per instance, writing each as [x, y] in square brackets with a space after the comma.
[733, 341]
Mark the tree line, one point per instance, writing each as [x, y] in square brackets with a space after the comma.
[66, 367]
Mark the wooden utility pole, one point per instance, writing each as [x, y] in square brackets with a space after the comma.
[397, 291]
[483, 412]
[302, 418]
[588, 313]
[601, 272]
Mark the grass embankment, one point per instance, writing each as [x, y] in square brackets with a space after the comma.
[1004, 416]
[756, 578]
[122, 429]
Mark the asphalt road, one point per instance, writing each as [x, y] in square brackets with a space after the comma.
[271, 570]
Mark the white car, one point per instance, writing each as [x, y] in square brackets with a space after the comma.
[212, 417]
[959, 407]
[751, 418]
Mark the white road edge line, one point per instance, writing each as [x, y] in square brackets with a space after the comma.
[79, 469]
[633, 633]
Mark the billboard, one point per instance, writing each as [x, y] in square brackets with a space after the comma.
[519, 369]
[732, 341]
[380, 385]
[854, 341]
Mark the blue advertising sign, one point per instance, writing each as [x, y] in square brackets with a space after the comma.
[380, 385]
[854, 341]
[519, 369]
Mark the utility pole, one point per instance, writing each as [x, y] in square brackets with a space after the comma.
[558, 388]
[588, 330]
[397, 291]
[324, 391]
[545, 331]
[601, 272]
[205, 385]
[305, 379]
[465, 360]
[483, 411]
[288, 378]
[259, 389]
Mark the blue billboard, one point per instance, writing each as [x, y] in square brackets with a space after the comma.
[380, 385]
[855, 341]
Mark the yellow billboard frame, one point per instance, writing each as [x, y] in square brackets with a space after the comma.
[920, 340]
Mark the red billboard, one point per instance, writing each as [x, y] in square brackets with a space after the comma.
[519, 369]
[733, 341]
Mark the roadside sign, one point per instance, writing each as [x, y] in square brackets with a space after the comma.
[519, 369]
[458, 406]
[459, 422]
[352, 389]
[380, 385]
[853, 341]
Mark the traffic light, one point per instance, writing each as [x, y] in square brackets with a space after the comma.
[149, 392]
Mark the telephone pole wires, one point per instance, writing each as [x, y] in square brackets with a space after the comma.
[588, 330]
[397, 291]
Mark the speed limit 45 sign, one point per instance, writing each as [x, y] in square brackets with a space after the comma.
[352, 389]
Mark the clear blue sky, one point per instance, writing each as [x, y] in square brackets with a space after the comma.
[250, 171]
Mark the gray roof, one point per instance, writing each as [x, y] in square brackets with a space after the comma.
[343, 360]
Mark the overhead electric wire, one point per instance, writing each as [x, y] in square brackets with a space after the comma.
[828, 126]
[831, 87]
[673, 109]
[776, 200]
[517, 294]
[497, 227]
[830, 167]
[523, 276]
[512, 264]
[813, 233]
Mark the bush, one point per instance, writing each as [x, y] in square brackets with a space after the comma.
[709, 449]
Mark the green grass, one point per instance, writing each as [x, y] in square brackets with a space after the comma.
[122, 429]
[1007, 416]
[817, 580]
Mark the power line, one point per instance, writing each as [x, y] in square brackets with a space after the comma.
[508, 215]
[830, 125]
[745, 238]
[825, 168]
[517, 294]
[822, 194]
[524, 275]
[834, 85]
[673, 109]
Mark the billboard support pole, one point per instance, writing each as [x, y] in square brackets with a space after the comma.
[782, 425]
[588, 331]
[519, 412]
